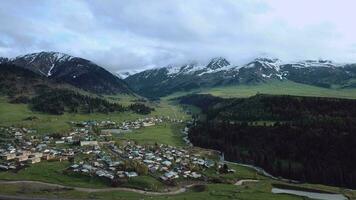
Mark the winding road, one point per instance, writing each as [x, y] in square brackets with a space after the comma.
[91, 190]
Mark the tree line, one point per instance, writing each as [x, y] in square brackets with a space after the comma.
[312, 139]
[58, 101]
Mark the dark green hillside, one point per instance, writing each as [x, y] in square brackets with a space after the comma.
[16, 80]
[310, 139]
[59, 101]
[321, 76]
[90, 77]
[24, 86]
[270, 107]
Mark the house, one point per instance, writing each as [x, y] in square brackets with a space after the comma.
[88, 143]
[75, 166]
[195, 175]
[36, 155]
[120, 174]
[8, 156]
[34, 160]
[48, 156]
[26, 153]
[108, 132]
[171, 175]
[167, 163]
[3, 167]
[21, 158]
[18, 135]
[131, 174]
[147, 124]
[103, 173]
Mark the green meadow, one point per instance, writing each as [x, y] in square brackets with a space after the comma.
[166, 133]
[17, 114]
[274, 88]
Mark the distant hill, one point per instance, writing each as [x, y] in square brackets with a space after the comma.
[75, 71]
[220, 72]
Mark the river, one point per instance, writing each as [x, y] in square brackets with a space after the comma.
[312, 195]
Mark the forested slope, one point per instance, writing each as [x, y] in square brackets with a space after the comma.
[304, 138]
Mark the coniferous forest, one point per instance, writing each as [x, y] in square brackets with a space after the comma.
[58, 101]
[302, 138]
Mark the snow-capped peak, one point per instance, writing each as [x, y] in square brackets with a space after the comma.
[185, 69]
[50, 56]
[173, 69]
[316, 63]
[272, 63]
[61, 56]
[125, 74]
[42, 62]
[217, 63]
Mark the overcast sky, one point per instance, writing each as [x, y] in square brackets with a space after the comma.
[125, 35]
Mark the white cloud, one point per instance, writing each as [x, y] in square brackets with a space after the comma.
[130, 34]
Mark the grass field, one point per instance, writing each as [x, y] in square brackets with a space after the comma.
[15, 115]
[144, 182]
[275, 87]
[258, 191]
[166, 133]
[49, 172]
[52, 172]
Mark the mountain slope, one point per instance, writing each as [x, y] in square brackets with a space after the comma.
[220, 72]
[22, 85]
[16, 81]
[76, 71]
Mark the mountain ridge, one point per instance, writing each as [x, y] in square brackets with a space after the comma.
[75, 71]
[219, 72]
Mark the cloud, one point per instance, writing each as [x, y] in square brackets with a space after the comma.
[131, 34]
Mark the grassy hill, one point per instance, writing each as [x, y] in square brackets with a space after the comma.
[273, 87]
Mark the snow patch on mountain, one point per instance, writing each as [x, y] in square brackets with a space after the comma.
[173, 70]
[215, 65]
[125, 74]
[315, 63]
[271, 63]
[51, 56]
[49, 73]
[191, 68]
[221, 69]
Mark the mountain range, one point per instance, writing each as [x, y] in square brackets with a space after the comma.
[75, 71]
[157, 82]
[220, 72]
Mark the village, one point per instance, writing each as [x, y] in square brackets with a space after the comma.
[93, 151]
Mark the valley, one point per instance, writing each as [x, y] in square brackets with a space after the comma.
[177, 100]
[130, 130]
[166, 133]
